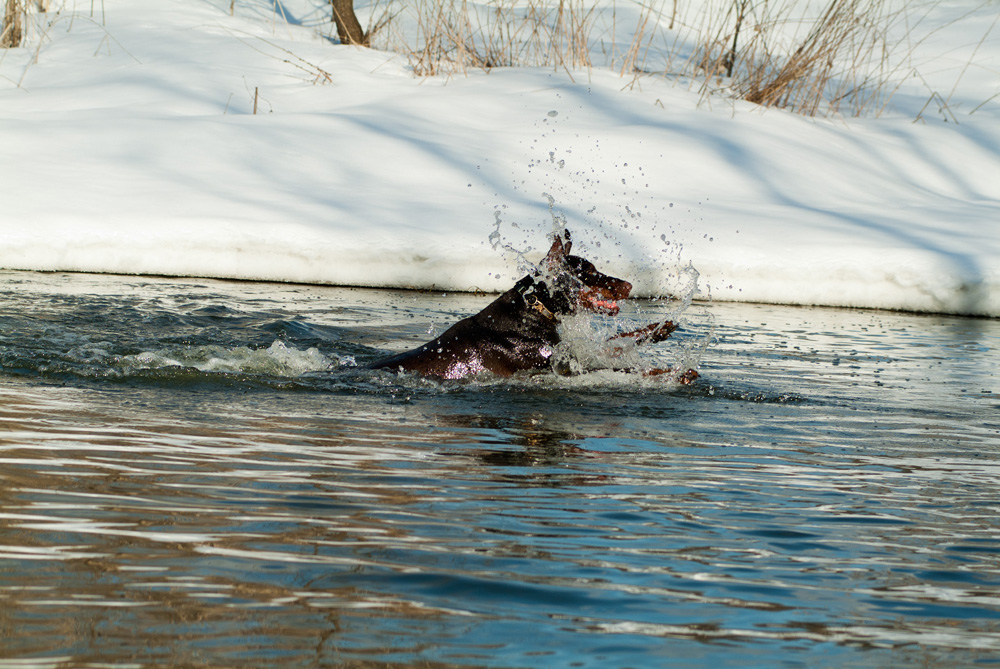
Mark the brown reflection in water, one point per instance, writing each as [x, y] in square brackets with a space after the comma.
[98, 618]
[105, 514]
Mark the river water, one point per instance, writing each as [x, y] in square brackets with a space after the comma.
[195, 473]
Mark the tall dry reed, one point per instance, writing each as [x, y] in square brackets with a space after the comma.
[771, 54]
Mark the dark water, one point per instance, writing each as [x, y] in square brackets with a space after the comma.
[193, 473]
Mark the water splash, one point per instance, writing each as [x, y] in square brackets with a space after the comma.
[524, 265]
[588, 344]
[276, 360]
[586, 339]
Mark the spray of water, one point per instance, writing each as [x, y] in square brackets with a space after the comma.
[609, 204]
[588, 342]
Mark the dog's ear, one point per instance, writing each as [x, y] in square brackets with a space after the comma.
[560, 248]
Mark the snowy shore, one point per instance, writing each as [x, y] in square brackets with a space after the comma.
[130, 145]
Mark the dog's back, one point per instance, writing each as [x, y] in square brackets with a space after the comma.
[504, 338]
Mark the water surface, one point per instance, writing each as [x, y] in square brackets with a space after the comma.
[196, 473]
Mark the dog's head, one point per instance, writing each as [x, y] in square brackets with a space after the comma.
[570, 283]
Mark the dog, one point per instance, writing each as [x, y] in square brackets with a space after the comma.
[518, 332]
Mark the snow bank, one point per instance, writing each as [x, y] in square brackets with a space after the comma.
[130, 146]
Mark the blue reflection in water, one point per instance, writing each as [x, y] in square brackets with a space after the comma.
[179, 488]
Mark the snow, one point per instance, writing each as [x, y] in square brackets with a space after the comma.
[129, 145]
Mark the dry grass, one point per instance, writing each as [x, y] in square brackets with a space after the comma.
[771, 52]
[767, 53]
[457, 35]
[807, 56]
[643, 35]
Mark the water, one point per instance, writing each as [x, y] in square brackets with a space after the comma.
[194, 473]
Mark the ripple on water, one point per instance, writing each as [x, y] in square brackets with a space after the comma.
[824, 495]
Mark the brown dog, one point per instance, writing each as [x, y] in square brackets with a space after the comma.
[519, 330]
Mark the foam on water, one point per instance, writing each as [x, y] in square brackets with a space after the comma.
[278, 359]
